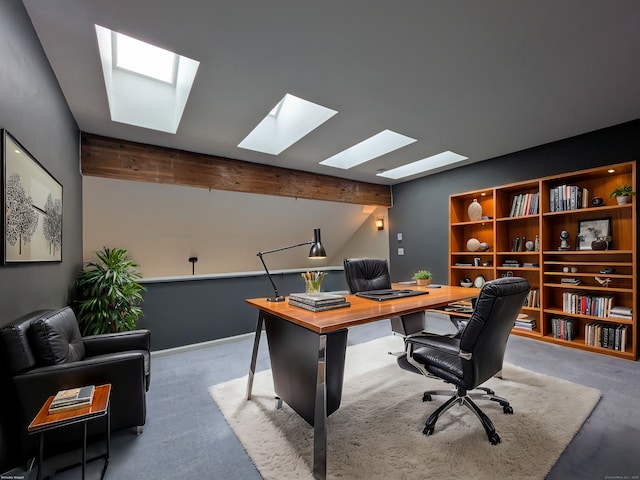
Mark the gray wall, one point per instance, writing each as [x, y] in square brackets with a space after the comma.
[183, 312]
[33, 109]
[421, 207]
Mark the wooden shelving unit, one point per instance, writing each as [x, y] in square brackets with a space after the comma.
[543, 263]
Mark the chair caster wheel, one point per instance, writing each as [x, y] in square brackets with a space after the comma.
[428, 431]
[494, 438]
[426, 397]
[508, 409]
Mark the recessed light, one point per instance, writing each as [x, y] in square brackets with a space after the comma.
[287, 122]
[373, 147]
[424, 165]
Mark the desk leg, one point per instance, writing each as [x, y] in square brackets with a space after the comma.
[254, 355]
[40, 456]
[84, 448]
[320, 414]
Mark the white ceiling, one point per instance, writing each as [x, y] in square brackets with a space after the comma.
[480, 78]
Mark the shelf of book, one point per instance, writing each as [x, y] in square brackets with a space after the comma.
[522, 228]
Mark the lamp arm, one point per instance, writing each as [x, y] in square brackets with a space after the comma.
[275, 289]
[284, 248]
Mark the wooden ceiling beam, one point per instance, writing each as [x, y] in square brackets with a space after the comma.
[120, 159]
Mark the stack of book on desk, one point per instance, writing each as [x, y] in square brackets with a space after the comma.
[72, 399]
[318, 302]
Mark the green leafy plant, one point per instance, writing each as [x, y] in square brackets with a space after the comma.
[422, 275]
[622, 190]
[109, 294]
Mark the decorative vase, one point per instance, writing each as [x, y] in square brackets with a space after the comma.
[473, 244]
[622, 199]
[475, 210]
[423, 282]
[599, 244]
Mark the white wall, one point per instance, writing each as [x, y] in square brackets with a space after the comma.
[163, 225]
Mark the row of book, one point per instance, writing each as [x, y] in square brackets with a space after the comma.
[533, 298]
[597, 306]
[610, 336]
[524, 204]
[564, 328]
[319, 302]
[568, 197]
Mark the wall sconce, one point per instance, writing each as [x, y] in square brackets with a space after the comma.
[380, 223]
[193, 261]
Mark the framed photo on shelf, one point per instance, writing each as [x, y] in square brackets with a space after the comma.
[590, 230]
[31, 207]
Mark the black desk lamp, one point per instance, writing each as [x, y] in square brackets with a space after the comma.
[317, 251]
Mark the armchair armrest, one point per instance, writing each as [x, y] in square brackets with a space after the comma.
[124, 371]
[117, 342]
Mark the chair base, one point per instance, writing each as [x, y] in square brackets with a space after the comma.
[462, 397]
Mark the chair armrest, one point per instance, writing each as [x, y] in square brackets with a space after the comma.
[124, 371]
[117, 342]
[443, 343]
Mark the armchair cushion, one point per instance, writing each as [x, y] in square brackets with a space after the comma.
[56, 338]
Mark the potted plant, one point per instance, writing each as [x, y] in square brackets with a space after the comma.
[109, 294]
[422, 277]
[622, 193]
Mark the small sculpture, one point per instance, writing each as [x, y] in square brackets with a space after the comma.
[603, 281]
[564, 241]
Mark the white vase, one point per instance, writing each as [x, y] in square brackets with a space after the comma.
[622, 199]
[475, 211]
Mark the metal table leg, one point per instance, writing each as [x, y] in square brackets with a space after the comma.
[254, 354]
[320, 414]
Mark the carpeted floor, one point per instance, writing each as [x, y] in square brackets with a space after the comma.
[382, 416]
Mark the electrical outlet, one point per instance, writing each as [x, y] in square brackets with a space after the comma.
[400, 251]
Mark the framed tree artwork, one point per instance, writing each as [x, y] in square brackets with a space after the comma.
[31, 207]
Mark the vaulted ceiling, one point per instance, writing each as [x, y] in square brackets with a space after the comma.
[481, 79]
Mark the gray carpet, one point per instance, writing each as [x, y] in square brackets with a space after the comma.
[187, 437]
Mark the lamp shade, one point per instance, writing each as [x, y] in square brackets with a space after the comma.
[317, 250]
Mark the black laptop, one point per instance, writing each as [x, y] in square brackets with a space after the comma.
[389, 294]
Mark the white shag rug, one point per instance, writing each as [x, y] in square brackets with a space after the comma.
[377, 431]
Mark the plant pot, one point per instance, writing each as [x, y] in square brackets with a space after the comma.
[423, 282]
[622, 199]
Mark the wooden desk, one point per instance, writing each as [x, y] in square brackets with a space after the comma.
[45, 421]
[307, 351]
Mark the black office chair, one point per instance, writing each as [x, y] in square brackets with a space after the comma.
[366, 274]
[476, 356]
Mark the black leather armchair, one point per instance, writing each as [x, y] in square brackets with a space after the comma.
[43, 352]
[477, 355]
[366, 274]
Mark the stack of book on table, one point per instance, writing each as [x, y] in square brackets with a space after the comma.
[72, 398]
[318, 302]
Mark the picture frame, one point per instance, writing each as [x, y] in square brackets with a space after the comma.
[590, 230]
[31, 205]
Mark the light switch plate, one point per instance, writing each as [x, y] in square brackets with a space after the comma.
[400, 251]
[400, 237]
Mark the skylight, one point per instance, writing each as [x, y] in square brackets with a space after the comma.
[146, 86]
[424, 165]
[143, 58]
[287, 122]
[373, 147]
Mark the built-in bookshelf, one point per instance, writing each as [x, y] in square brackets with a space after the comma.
[542, 230]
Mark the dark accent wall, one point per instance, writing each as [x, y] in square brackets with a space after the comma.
[184, 312]
[421, 207]
[34, 110]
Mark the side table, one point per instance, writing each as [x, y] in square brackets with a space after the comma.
[45, 421]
